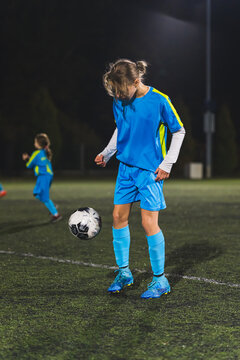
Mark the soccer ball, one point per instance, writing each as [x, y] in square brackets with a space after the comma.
[85, 223]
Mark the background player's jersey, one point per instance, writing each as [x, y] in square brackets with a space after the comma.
[40, 163]
[142, 128]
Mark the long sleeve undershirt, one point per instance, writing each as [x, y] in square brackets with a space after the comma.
[170, 158]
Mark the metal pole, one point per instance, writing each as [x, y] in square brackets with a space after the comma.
[208, 91]
[208, 52]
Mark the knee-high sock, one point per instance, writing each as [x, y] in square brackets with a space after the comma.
[156, 247]
[51, 207]
[121, 246]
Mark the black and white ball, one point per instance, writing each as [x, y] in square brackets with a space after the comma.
[85, 223]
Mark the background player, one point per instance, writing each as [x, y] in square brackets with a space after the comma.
[40, 161]
[142, 115]
[2, 191]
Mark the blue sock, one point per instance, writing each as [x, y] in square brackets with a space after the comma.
[121, 246]
[156, 247]
[51, 207]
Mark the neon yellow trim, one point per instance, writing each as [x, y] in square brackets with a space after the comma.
[36, 170]
[49, 170]
[34, 154]
[43, 158]
[162, 139]
[171, 105]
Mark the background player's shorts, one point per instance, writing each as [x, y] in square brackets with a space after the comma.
[42, 187]
[135, 184]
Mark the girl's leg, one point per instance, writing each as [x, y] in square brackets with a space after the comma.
[155, 238]
[121, 246]
[121, 234]
[51, 207]
[156, 246]
[49, 204]
[120, 215]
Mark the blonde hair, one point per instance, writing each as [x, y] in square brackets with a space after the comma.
[44, 142]
[121, 74]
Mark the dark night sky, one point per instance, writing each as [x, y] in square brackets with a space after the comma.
[66, 46]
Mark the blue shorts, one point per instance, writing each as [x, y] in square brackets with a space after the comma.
[135, 184]
[42, 187]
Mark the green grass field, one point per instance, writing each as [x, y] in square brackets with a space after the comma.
[61, 310]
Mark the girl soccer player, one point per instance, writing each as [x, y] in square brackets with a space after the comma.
[40, 161]
[142, 115]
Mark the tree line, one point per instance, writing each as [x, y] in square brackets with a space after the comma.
[69, 136]
[53, 56]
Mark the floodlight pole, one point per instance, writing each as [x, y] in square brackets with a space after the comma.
[209, 117]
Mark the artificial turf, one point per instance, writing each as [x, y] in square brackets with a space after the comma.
[56, 310]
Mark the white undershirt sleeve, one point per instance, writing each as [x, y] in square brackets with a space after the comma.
[173, 151]
[111, 148]
[170, 158]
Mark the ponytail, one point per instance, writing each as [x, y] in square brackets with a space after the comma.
[44, 142]
[49, 152]
[141, 67]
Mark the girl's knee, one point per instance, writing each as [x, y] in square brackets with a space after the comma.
[119, 218]
[150, 225]
[147, 223]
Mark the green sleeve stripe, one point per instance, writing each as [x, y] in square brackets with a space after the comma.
[171, 105]
[162, 139]
[34, 154]
[49, 170]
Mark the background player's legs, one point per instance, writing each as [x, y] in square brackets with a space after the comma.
[51, 207]
[41, 192]
[48, 203]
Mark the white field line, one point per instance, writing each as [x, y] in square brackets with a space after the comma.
[101, 266]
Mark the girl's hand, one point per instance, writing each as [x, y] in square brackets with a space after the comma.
[25, 156]
[161, 174]
[99, 160]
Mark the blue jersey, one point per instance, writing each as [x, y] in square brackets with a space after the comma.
[40, 163]
[142, 128]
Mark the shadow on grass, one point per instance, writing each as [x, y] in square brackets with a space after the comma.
[20, 226]
[181, 261]
[189, 255]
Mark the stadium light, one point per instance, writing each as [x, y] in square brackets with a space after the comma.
[209, 116]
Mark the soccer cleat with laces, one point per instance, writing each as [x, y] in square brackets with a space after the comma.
[124, 278]
[157, 288]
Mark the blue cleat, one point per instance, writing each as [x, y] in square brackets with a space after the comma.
[124, 278]
[157, 288]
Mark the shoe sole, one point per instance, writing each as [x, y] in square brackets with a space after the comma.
[118, 291]
[156, 297]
